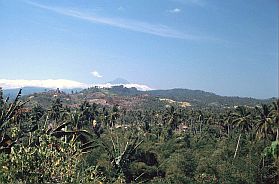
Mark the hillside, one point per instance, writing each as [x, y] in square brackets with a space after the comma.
[31, 90]
[131, 98]
[195, 97]
[199, 97]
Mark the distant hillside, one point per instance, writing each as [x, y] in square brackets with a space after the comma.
[31, 90]
[206, 98]
[133, 98]
[25, 91]
[196, 97]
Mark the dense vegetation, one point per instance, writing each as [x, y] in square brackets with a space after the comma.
[101, 144]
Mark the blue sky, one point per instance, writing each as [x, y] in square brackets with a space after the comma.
[226, 47]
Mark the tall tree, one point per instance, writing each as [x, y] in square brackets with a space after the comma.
[242, 120]
[265, 124]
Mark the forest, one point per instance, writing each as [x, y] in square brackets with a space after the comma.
[95, 143]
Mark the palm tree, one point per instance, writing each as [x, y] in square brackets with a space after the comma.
[268, 122]
[1, 97]
[265, 121]
[243, 122]
[228, 119]
[56, 109]
[275, 117]
[242, 119]
[200, 120]
[115, 114]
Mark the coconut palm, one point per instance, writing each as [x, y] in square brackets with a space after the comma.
[243, 122]
[228, 122]
[266, 124]
[242, 119]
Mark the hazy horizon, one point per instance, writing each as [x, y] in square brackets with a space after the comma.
[226, 47]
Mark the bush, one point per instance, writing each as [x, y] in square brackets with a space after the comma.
[53, 161]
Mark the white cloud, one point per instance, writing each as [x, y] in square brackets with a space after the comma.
[140, 87]
[48, 83]
[61, 83]
[175, 10]
[132, 25]
[96, 74]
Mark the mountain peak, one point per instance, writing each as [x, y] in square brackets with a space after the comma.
[119, 81]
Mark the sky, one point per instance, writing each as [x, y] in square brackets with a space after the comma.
[226, 47]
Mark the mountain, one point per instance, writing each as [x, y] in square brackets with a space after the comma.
[119, 81]
[131, 97]
[68, 86]
[124, 83]
[25, 91]
[31, 90]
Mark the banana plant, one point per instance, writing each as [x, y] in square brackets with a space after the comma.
[8, 129]
[120, 154]
[68, 131]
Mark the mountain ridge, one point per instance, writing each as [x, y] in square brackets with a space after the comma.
[119, 81]
[122, 90]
